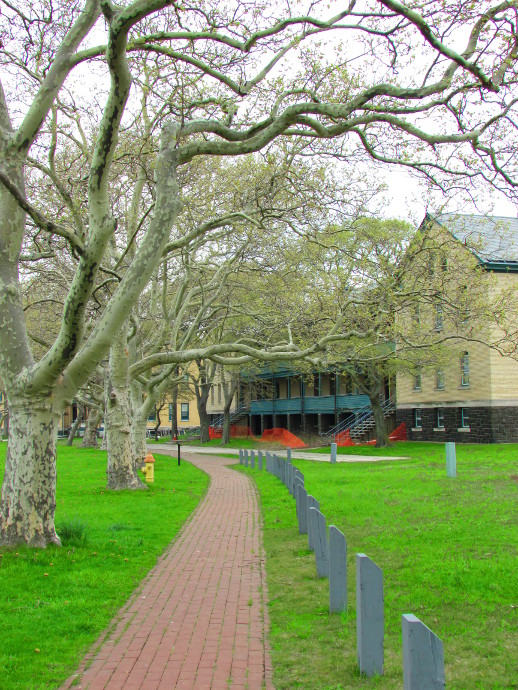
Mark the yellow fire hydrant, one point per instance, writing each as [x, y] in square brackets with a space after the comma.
[149, 469]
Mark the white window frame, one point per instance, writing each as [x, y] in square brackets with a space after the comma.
[464, 417]
[464, 370]
[439, 317]
[184, 412]
[440, 379]
[440, 418]
[418, 419]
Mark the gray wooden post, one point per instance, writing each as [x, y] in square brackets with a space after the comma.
[312, 503]
[423, 656]
[451, 461]
[291, 480]
[246, 458]
[240, 456]
[288, 454]
[269, 463]
[260, 459]
[337, 570]
[318, 523]
[302, 509]
[252, 458]
[296, 483]
[299, 475]
[333, 452]
[369, 616]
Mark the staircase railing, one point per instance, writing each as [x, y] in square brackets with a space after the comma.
[238, 413]
[358, 423]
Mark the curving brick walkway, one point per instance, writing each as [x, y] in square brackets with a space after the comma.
[200, 618]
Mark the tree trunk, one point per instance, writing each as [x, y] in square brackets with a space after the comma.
[372, 383]
[229, 390]
[139, 441]
[382, 439]
[174, 413]
[204, 421]
[92, 422]
[158, 422]
[75, 426]
[121, 470]
[28, 493]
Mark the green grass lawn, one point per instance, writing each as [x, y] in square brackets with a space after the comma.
[448, 549]
[54, 603]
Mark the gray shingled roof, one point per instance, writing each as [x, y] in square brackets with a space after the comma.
[493, 239]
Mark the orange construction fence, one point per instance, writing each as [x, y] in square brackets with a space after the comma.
[236, 431]
[344, 437]
[283, 436]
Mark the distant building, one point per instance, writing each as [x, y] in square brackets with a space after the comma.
[474, 397]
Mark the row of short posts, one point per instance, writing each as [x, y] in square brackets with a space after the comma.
[423, 655]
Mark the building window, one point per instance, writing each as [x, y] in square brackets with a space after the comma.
[440, 418]
[170, 412]
[439, 323]
[152, 417]
[184, 412]
[418, 423]
[440, 379]
[464, 418]
[464, 369]
[418, 379]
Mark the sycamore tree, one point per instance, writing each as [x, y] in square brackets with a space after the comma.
[427, 85]
[201, 293]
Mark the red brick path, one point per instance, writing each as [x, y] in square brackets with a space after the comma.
[199, 620]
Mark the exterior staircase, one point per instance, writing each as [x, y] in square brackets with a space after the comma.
[361, 421]
[235, 416]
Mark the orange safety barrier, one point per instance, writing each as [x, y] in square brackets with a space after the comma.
[399, 433]
[235, 431]
[344, 438]
[283, 436]
[238, 431]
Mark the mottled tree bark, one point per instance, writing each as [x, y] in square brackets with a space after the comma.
[93, 421]
[121, 470]
[28, 492]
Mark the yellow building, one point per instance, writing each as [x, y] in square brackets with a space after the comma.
[472, 396]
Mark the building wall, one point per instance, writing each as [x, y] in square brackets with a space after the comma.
[480, 379]
[216, 400]
[490, 400]
[487, 425]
